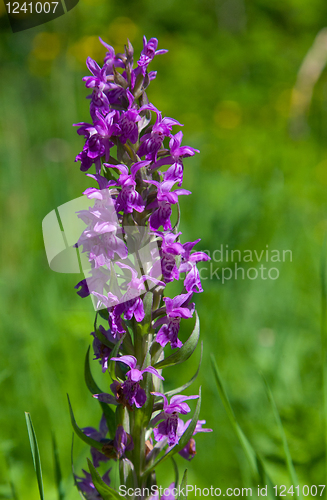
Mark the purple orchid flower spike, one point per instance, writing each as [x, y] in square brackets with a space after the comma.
[131, 212]
[168, 418]
[176, 309]
[132, 391]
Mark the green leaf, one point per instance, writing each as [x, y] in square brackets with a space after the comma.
[80, 433]
[105, 491]
[95, 389]
[138, 86]
[183, 440]
[185, 386]
[35, 453]
[103, 339]
[183, 486]
[185, 351]
[58, 475]
[176, 471]
[144, 327]
[257, 466]
[289, 462]
[104, 314]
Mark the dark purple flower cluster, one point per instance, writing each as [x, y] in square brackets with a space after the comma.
[134, 251]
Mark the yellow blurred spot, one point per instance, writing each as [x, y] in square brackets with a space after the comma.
[283, 103]
[46, 46]
[321, 172]
[121, 29]
[299, 103]
[88, 46]
[228, 114]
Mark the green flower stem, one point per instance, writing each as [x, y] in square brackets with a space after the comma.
[138, 434]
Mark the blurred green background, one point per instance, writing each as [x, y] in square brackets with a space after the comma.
[232, 76]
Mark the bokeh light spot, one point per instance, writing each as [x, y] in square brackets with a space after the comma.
[46, 46]
[121, 29]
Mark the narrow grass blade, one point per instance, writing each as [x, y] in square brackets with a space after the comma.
[289, 462]
[57, 469]
[183, 487]
[35, 453]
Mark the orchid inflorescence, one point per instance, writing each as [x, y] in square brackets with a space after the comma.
[134, 252]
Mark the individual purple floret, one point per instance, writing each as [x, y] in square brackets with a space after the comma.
[176, 309]
[152, 141]
[86, 486]
[192, 280]
[128, 199]
[189, 449]
[111, 60]
[168, 252]
[162, 204]
[131, 303]
[148, 53]
[168, 418]
[177, 153]
[101, 351]
[97, 435]
[122, 442]
[169, 496]
[131, 389]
